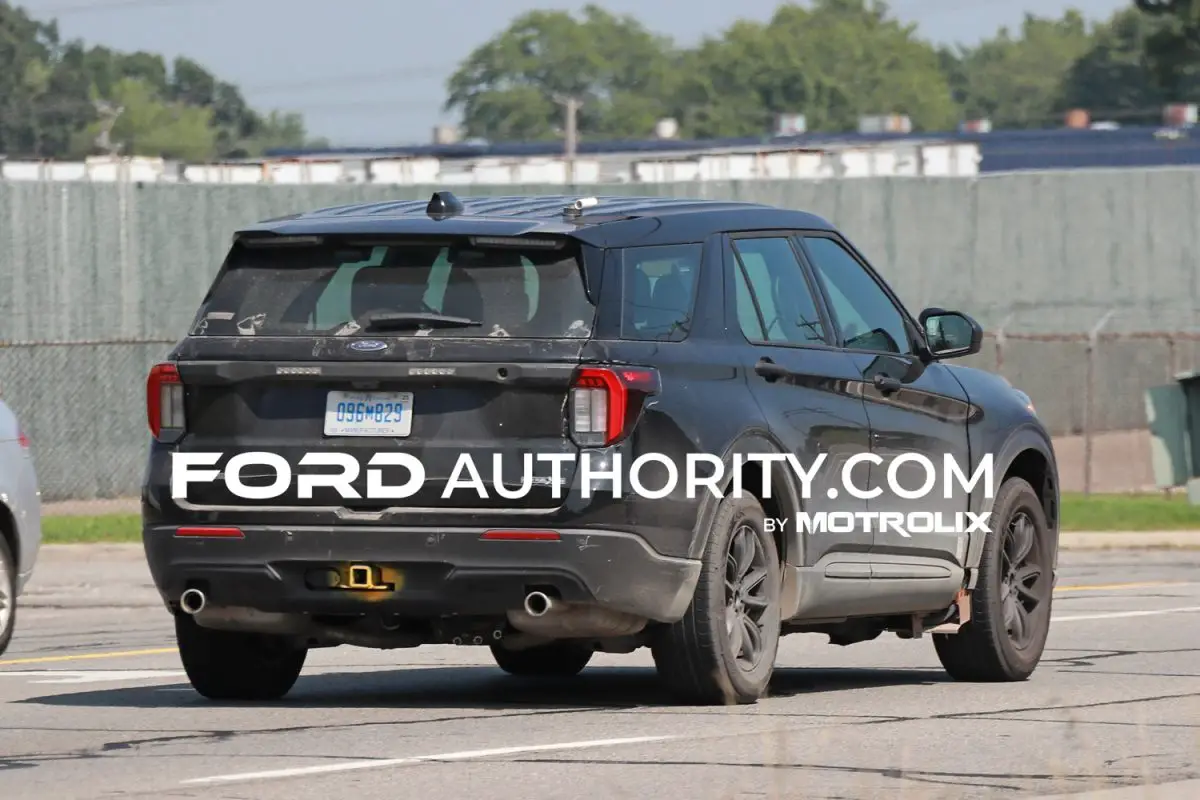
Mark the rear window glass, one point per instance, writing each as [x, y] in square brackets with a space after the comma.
[399, 289]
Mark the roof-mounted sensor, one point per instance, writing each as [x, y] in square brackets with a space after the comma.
[576, 208]
[443, 205]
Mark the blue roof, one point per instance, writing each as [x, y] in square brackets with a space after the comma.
[1001, 151]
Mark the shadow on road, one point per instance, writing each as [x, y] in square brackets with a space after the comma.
[487, 688]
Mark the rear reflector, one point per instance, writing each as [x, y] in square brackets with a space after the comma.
[211, 533]
[23, 440]
[521, 536]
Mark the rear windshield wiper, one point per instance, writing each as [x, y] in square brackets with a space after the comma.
[400, 321]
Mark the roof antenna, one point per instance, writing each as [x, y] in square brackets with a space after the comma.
[576, 208]
[443, 205]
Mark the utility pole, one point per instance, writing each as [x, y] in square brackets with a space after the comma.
[571, 133]
[108, 114]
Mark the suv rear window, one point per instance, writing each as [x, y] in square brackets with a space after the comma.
[399, 288]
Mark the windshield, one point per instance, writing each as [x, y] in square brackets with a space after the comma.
[399, 288]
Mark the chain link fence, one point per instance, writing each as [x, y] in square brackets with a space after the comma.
[82, 404]
[1089, 387]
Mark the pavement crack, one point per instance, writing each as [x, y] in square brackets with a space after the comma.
[982, 780]
[1089, 659]
[214, 736]
[960, 715]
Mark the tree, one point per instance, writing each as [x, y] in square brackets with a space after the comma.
[1173, 48]
[148, 124]
[1186, 11]
[512, 86]
[1116, 77]
[1016, 81]
[39, 99]
[52, 93]
[833, 63]
[841, 59]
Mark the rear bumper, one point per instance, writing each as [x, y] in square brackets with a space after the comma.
[437, 571]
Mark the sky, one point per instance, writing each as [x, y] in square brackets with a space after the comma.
[372, 72]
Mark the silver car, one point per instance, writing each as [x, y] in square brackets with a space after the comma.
[20, 519]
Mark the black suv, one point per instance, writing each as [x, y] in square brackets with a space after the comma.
[366, 349]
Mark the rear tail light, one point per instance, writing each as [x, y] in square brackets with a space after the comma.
[606, 401]
[164, 399]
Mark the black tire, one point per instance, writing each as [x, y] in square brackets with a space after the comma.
[8, 594]
[554, 660]
[696, 656]
[231, 665]
[991, 647]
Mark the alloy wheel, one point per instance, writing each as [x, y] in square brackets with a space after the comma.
[1022, 581]
[747, 596]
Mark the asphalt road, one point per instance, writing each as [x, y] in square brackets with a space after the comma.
[93, 704]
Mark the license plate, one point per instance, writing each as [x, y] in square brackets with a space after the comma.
[368, 414]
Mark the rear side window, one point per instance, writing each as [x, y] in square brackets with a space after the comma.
[401, 288]
[660, 290]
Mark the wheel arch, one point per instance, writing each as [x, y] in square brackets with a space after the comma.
[781, 502]
[1027, 454]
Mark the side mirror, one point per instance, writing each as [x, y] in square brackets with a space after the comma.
[950, 334]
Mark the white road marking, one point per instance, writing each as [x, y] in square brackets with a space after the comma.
[465, 755]
[92, 676]
[1124, 614]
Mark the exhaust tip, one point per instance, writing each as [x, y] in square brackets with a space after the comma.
[192, 601]
[537, 604]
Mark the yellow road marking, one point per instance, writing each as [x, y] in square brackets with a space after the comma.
[1096, 587]
[83, 656]
[161, 651]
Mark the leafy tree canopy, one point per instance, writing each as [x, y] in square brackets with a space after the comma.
[64, 100]
[831, 60]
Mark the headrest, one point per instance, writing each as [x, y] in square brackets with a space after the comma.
[400, 289]
[462, 298]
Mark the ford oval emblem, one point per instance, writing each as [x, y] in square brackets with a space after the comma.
[368, 346]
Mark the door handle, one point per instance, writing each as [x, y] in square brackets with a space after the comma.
[886, 384]
[770, 370]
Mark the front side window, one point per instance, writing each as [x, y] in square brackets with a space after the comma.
[660, 290]
[777, 286]
[866, 315]
[401, 288]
